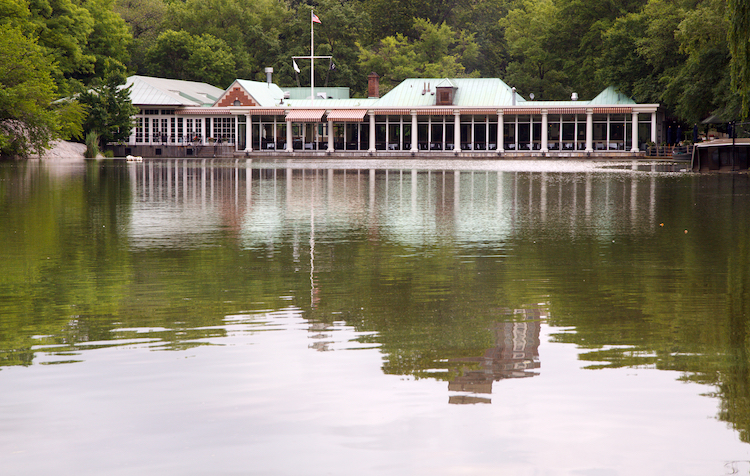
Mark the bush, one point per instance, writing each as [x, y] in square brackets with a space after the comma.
[92, 145]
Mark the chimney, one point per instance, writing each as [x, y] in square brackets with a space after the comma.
[373, 85]
[269, 74]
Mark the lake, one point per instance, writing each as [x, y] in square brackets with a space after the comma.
[373, 317]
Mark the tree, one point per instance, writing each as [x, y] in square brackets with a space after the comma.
[439, 52]
[702, 84]
[109, 39]
[180, 55]
[535, 67]
[739, 46]
[27, 122]
[144, 18]
[64, 27]
[250, 28]
[109, 108]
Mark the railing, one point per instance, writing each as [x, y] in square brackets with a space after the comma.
[670, 151]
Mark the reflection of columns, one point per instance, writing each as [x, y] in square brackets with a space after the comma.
[248, 133]
[543, 198]
[414, 129]
[289, 144]
[457, 131]
[456, 190]
[633, 200]
[544, 131]
[372, 132]
[587, 202]
[330, 188]
[330, 135]
[413, 190]
[653, 127]
[289, 177]
[652, 200]
[635, 132]
[589, 130]
[372, 190]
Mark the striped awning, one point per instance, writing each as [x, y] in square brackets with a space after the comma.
[347, 115]
[441, 111]
[479, 110]
[519, 110]
[613, 110]
[567, 110]
[266, 111]
[393, 111]
[305, 115]
[203, 111]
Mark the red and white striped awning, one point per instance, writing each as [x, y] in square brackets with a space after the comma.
[519, 110]
[203, 111]
[613, 110]
[305, 115]
[266, 111]
[567, 110]
[347, 115]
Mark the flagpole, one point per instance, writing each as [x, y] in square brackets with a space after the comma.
[312, 61]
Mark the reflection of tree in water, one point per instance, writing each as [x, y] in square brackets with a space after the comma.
[515, 355]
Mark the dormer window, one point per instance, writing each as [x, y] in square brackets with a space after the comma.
[444, 96]
[446, 93]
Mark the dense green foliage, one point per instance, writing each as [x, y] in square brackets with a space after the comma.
[691, 56]
[53, 52]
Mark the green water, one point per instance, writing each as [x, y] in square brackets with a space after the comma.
[373, 317]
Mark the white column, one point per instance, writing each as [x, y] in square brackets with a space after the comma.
[471, 136]
[248, 133]
[372, 131]
[457, 131]
[330, 136]
[414, 130]
[653, 127]
[589, 130]
[500, 131]
[289, 145]
[635, 132]
[545, 148]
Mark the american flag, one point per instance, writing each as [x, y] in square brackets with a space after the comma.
[315, 18]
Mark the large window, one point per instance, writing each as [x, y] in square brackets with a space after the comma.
[223, 129]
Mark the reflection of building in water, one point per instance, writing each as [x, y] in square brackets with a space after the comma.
[515, 355]
[173, 198]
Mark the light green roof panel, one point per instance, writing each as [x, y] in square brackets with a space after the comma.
[332, 103]
[611, 97]
[470, 92]
[150, 91]
[331, 93]
[266, 95]
[446, 83]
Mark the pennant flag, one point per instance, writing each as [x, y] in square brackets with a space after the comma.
[332, 67]
[315, 18]
[294, 65]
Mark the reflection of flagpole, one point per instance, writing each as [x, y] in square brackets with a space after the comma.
[312, 247]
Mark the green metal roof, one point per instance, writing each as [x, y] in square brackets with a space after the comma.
[470, 92]
[331, 93]
[611, 97]
[150, 91]
[332, 103]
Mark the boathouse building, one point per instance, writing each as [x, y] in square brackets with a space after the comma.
[432, 116]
